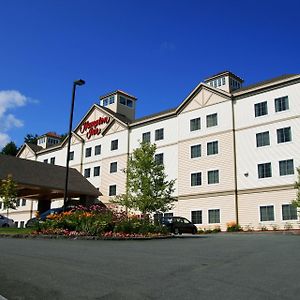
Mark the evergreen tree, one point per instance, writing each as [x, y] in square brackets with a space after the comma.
[8, 193]
[147, 189]
[31, 138]
[10, 149]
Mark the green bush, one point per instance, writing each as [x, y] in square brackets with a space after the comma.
[98, 222]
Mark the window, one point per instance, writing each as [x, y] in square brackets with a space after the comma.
[113, 167]
[195, 124]
[196, 179]
[52, 160]
[71, 155]
[146, 137]
[87, 173]
[196, 216]
[264, 170]
[122, 100]
[88, 152]
[286, 167]
[284, 135]
[22, 224]
[0, 205]
[125, 101]
[159, 158]
[213, 176]
[159, 134]
[289, 212]
[16, 224]
[111, 99]
[195, 151]
[114, 145]
[18, 202]
[261, 109]
[112, 190]
[45, 161]
[23, 202]
[212, 148]
[213, 216]
[212, 120]
[105, 102]
[262, 139]
[281, 103]
[267, 213]
[98, 150]
[223, 80]
[96, 171]
[129, 103]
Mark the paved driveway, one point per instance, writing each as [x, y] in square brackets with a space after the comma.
[221, 266]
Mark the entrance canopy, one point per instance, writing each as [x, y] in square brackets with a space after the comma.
[37, 180]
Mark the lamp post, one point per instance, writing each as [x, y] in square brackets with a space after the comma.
[75, 83]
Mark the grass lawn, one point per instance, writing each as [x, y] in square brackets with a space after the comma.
[15, 230]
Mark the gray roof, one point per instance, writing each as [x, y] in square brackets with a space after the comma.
[34, 147]
[45, 177]
[116, 115]
[261, 83]
[145, 118]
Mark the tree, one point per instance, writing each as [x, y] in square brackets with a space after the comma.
[147, 189]
[8, 193]
[10, 149]
[296, 202]
[31, 138]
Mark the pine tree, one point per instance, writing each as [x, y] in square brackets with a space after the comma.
[10, 149]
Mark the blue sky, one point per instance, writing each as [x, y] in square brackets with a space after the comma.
[156, 50]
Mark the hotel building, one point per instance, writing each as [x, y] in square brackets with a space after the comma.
[232, 150]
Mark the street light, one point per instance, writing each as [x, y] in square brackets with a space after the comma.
[75, 83]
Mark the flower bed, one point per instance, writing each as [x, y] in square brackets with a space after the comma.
[98, 221]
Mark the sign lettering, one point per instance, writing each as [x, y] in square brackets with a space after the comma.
[92, 128]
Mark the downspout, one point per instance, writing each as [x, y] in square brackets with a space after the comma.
[81, 157]
[126, 173]
[235, 164]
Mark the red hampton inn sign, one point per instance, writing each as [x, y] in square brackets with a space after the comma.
[92, 128]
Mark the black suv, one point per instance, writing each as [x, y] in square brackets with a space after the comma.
[178, 225]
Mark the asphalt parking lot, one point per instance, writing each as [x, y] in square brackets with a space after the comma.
[220, 266]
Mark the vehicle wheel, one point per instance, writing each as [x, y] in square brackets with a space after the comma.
[176, 231]
[5, 225]
[194, 231]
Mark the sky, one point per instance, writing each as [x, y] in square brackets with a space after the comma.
[156, 50]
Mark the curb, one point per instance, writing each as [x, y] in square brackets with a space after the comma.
[66, 237]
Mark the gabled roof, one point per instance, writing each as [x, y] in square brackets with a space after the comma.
[35, 148]
[37, 177]
[178, 109]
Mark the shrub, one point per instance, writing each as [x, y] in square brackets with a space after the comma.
[97, 220]
[216, 229]
[232, 227]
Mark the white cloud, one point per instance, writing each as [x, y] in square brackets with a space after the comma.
[4, 139]
[10, 99]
